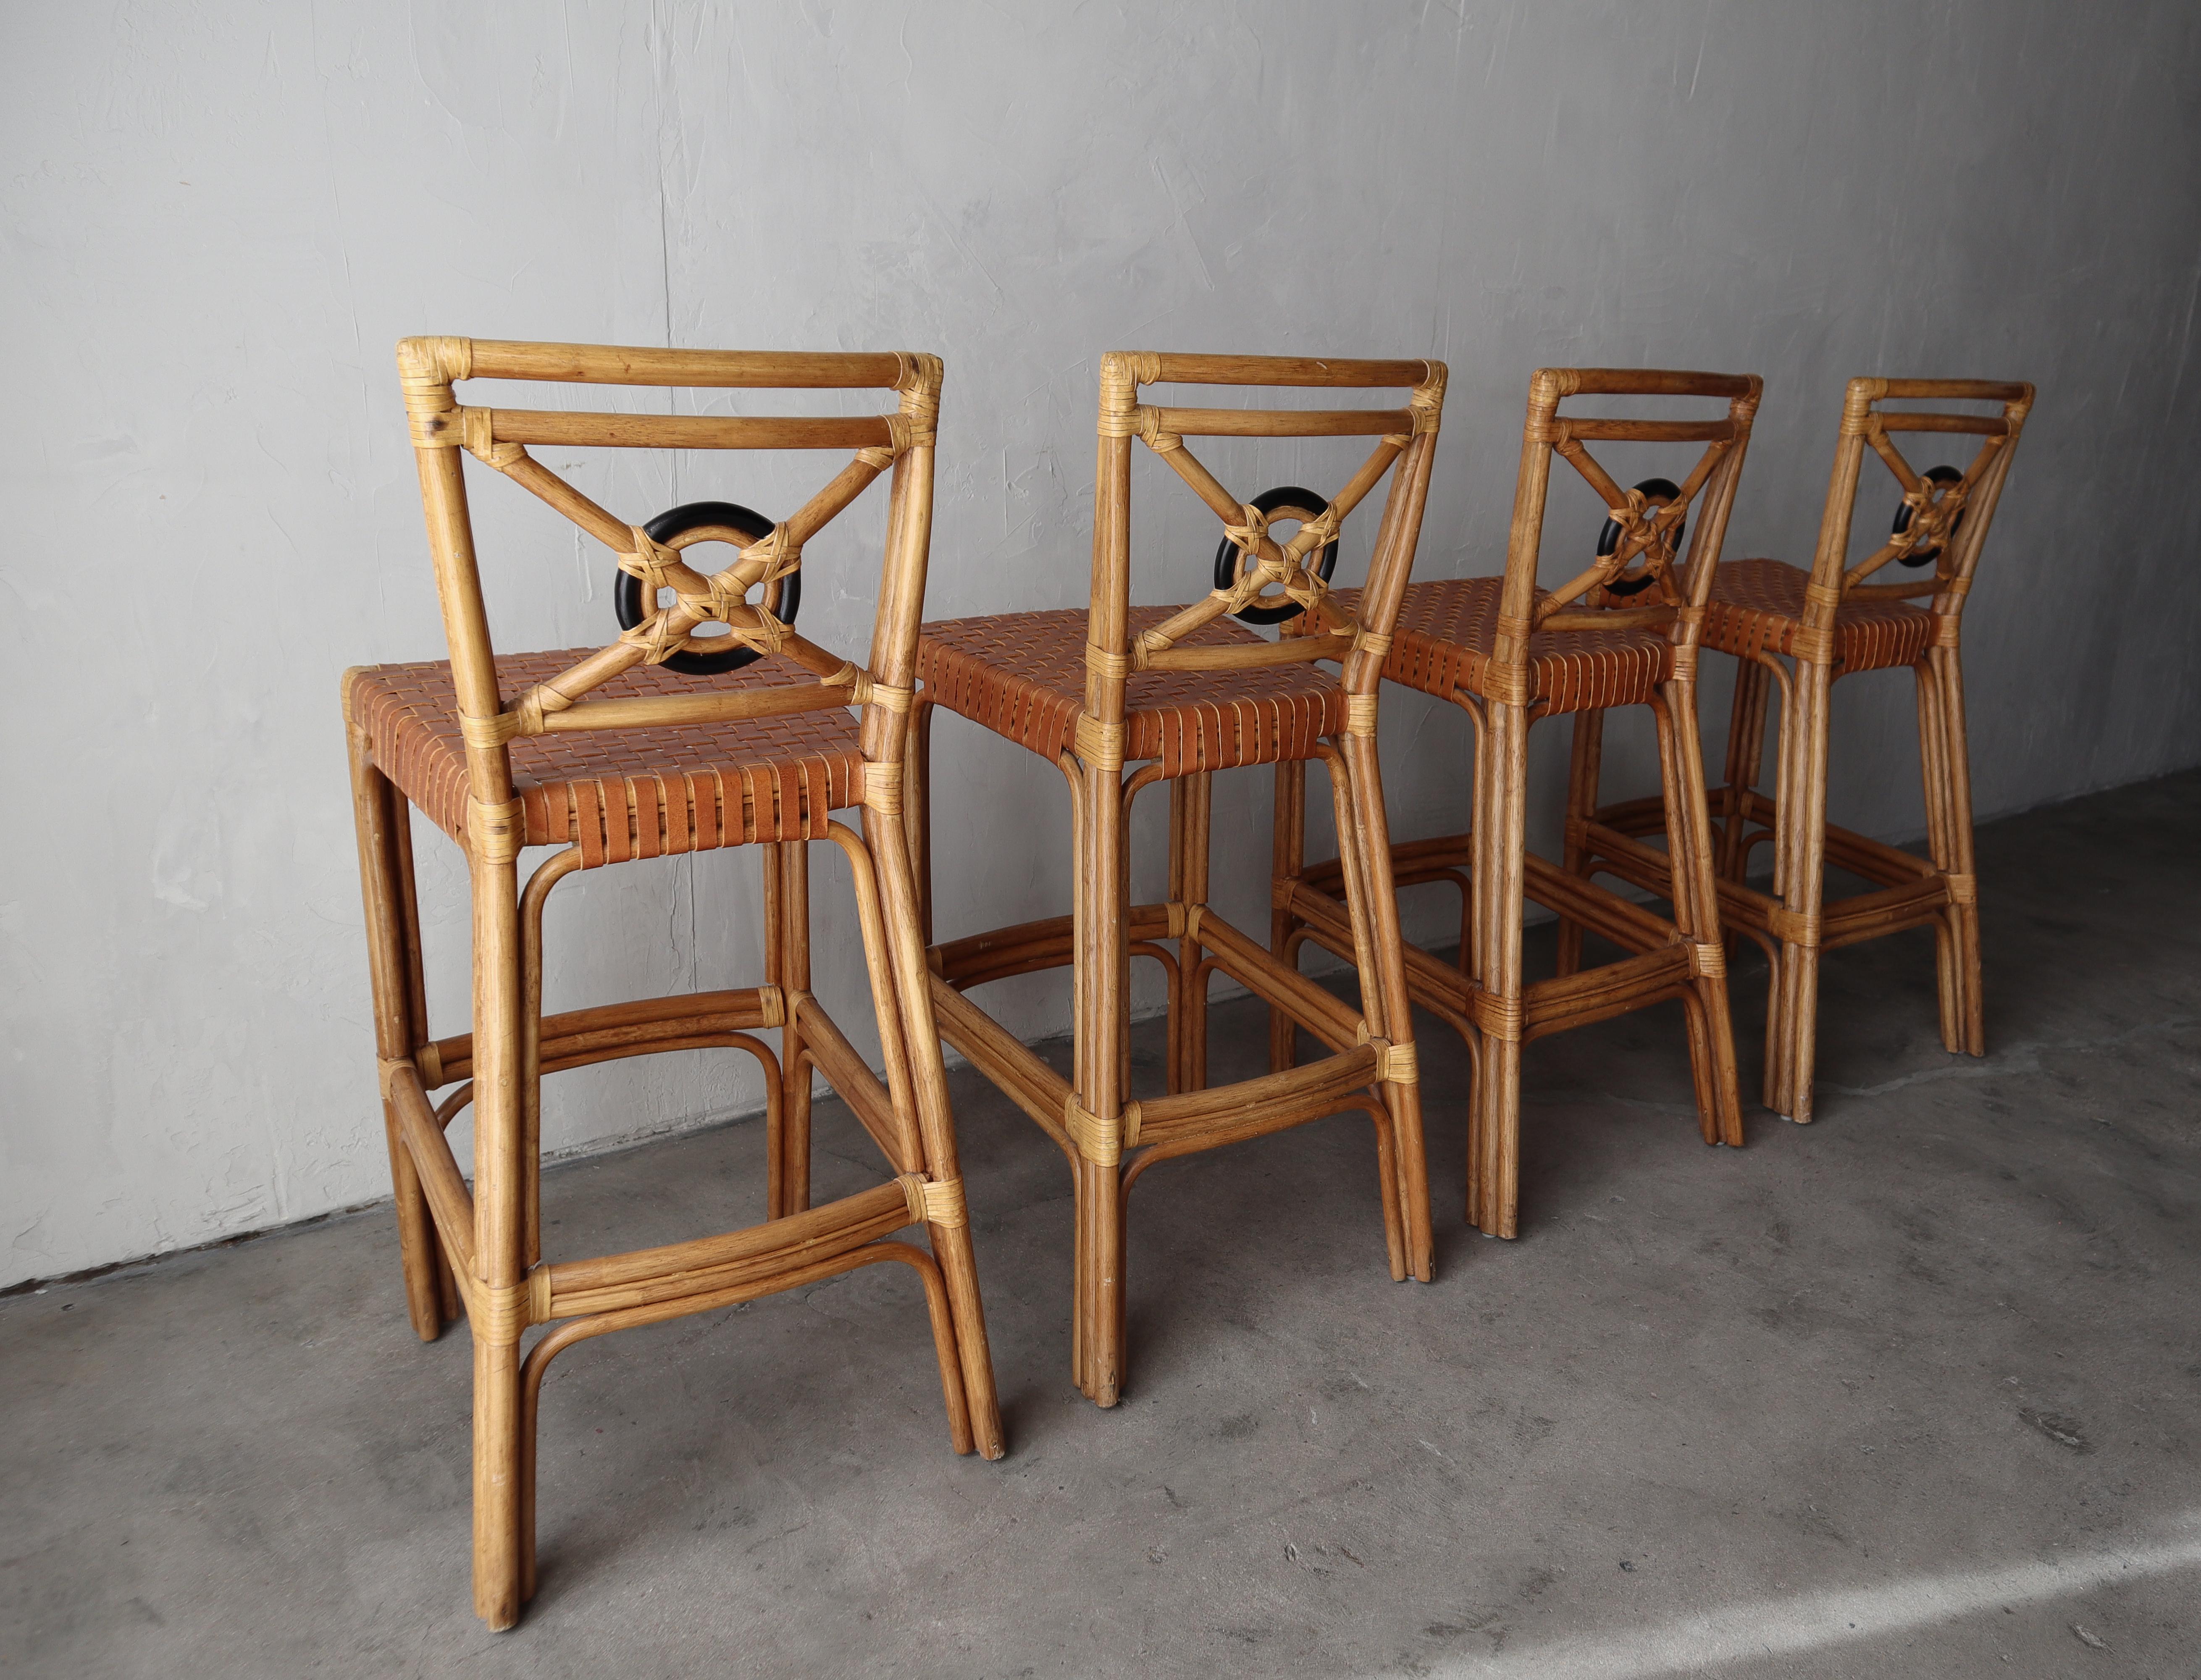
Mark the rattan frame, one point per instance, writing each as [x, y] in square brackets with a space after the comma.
[1794, 923]
[1486, 999]
[1109, 1139]
[480, 1245]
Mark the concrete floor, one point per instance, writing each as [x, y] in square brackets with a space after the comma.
[1915, 1389]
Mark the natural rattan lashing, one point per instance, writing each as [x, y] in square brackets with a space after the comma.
[1121, 697]
[1798, 632]
[610, 757]
[1510, 652]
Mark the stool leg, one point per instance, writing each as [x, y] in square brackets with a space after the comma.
[1288, 860]
[379, 811]
[501, 1175]
[1501, 774]
[953, 1248]
[1802, 817]
[1696, 912]
[416, 983]
[889, 839]
[1933, 766]
[1963, 1015]
[1746, 752]
[1101, 1007]
[497, 1475]
[1584, 759]
[1366, 828]
[917, 814]
[787, 875]
[1192, 805]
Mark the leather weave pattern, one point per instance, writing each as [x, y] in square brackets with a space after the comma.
[627, 793]
[1447, 628]
[1757, 606]
[1023, 676]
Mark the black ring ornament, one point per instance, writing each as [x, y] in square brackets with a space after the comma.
[1657, 493]
[1304, 502]
[1934, 475]
[745, 523]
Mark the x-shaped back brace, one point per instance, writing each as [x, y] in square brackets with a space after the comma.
[719, 598]
[1646, 532]
[1934, 507]
[1263, 560]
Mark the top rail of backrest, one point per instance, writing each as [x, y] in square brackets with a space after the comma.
[428, 367]
[1123, 372]
[1550, 387]
[1861, 412]
[456, 359]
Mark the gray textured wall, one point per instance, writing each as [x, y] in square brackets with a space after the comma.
[219, 220]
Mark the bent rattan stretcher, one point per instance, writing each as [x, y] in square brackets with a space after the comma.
[610, 756]
[1181, 693]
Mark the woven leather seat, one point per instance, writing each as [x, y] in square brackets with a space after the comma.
[621, 796]
[1023, 676]
[1757, 606]
[1446, 630]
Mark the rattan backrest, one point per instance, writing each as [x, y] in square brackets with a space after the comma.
[444, 431]
[1646, 531]
[1944, 515]
[1406, 439]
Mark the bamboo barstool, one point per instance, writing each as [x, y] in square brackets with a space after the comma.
[612, 755]
[1831, 622]
[1182, 693]
[1510, 654]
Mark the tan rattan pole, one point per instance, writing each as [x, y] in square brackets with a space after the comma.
[380, 815]
[688, 431]
[818, 1230]
[643, 365]
[1644, 431]
[885, 740]
[1171, 368]
[425, 370]
[1282, 422]
[1295, 650]
[1650, 382]
[1968, 390]
[661, 712]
